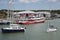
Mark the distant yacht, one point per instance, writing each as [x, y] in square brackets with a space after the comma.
[51, 28]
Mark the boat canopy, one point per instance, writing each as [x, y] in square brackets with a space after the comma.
[25, 12]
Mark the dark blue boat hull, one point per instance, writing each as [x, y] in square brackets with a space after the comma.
[11, 31]
[5, 23]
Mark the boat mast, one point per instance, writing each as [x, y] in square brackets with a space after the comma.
[10, 12]
[49, 24]
[49, 18]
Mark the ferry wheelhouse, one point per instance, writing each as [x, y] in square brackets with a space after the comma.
[28, 17]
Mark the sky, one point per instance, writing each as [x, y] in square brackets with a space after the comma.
[30, 4]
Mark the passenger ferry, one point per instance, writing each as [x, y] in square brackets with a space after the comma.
[29, 17]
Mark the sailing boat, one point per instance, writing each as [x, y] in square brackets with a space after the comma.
[51, 28]
[12, 27]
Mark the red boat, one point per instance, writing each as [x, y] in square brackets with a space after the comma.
[29, 17]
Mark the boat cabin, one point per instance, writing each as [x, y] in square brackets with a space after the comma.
[25, 15]
[14, 26]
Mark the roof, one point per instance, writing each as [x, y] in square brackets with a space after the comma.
[24, 12]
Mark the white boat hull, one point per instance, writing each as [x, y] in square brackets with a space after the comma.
[51, 29]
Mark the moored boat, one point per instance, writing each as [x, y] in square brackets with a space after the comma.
[13, 28]
[51, 28]
[2, 22]
[29, 17]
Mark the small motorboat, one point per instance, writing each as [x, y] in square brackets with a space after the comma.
[51, 29]
[13, 28]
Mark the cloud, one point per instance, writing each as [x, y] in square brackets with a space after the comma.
[10, 2]
[28, 1]
[52, 0]
[34, 0]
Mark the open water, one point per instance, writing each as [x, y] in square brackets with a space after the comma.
[34, 32]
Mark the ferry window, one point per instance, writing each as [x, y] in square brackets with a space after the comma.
[44, 15]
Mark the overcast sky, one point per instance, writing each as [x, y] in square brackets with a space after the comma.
[30, 4]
